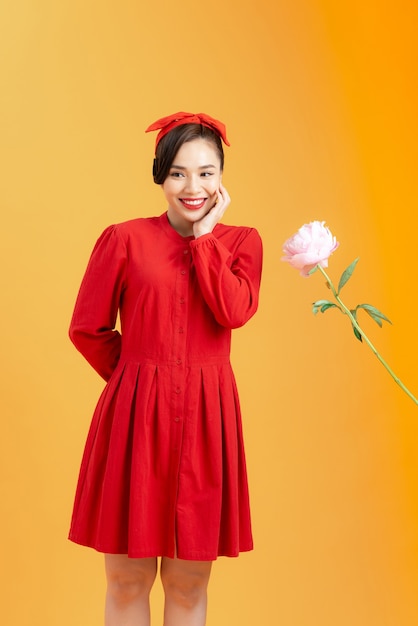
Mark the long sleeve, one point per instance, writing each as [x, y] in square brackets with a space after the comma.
[92, 328]
[229, 279]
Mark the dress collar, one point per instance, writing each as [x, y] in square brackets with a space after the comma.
[171, 232]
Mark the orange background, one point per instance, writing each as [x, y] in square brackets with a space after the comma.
[320, 101]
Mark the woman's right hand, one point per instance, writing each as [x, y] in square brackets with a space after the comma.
[209, 221]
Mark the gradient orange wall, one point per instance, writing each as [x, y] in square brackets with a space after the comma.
[320, 101]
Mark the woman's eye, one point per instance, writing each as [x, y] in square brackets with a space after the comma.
[207, 174]
[176, 174]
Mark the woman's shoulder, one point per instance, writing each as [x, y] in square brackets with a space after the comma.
[132, 230]
[224, 229]
[136, 225]
[228, 232]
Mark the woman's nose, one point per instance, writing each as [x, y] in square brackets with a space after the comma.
[192, 184]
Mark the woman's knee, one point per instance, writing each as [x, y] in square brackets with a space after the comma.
[129, 579]
[185, 582]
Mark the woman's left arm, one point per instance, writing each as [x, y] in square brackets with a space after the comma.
[230, 281]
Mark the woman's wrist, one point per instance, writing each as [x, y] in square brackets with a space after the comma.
[201, 234]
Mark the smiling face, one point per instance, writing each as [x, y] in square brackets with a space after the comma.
[192, 184]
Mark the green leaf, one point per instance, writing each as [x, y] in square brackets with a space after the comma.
[346, 275]
[356, 332]
[374, 313]
[325, 307]
[319, 303]
[322, 305]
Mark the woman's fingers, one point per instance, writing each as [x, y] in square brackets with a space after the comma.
[209, 221]
[222, 202]
[224, 196]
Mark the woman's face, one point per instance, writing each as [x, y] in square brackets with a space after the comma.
[191, 185]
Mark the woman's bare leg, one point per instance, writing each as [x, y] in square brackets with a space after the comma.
[129, 582]
[185, 585]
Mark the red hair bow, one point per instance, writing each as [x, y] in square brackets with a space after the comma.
[165, 124]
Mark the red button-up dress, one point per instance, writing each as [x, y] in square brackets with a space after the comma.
[163, 471]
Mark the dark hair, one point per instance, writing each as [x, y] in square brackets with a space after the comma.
[171, 143]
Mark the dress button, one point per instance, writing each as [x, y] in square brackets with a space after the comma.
[178, 361]
[178, 389]
[176, 419]
[185, 252]
[182, 300]
[183, 272]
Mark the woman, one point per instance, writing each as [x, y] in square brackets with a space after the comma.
[163, 472]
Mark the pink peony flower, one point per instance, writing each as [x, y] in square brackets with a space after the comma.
[309, 249]
[310, 246]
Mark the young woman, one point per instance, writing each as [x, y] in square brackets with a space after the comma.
[163, 472]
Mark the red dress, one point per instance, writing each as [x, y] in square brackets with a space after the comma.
[163, 471]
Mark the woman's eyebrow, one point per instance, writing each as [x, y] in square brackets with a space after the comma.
[201, 167]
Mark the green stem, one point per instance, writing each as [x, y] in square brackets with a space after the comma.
[364, 336]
